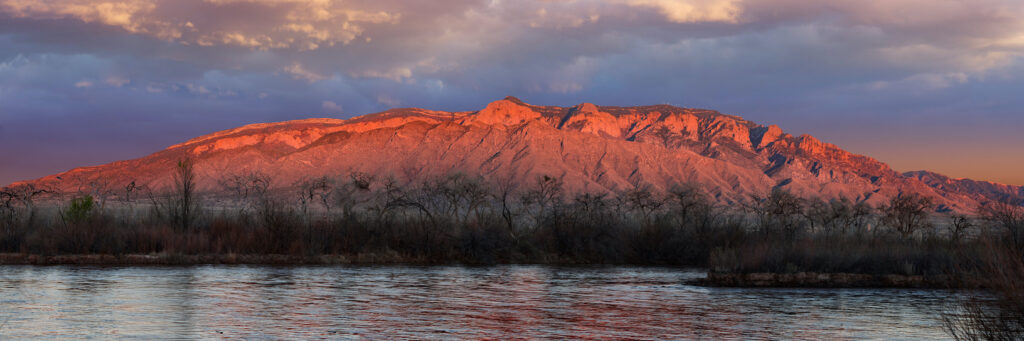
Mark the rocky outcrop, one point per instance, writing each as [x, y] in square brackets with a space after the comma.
[505, 112]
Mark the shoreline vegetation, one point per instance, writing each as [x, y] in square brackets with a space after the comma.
[459, 218]
[777, 239]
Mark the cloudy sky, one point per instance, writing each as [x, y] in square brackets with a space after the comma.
[920, 84]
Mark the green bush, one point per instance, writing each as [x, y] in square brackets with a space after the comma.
[80, 209]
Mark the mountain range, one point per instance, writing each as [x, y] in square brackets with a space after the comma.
[590, 148]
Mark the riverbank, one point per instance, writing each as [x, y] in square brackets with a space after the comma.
[822, 280]
[206, 259]
[713, 279]
[384, 258]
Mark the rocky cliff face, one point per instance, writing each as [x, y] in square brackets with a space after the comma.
[591, 148]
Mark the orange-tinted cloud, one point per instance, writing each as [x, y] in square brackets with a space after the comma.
[259, 24]
[727, 11]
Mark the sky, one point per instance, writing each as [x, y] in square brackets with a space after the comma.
[919, 84]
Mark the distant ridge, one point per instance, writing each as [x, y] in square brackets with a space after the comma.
[591, 148]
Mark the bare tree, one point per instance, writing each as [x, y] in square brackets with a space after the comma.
[691, 207]
[457, 196]
[545, 196]
[958, 226]
[474, 196]
[250, 189]
[1007, 214]
[640, 198]
[819, 214]
[390, 197]
[907, 213]
[130, 191]
[8, 212]
[686, 199]
[186, 202]
[314, 190]
[591, 204]
[859, 216]
[781, 211]
[347, 195]
[836, 215]
[101, 189]
[25, 195]
[506, 189]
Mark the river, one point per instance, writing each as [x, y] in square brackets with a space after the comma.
[440, 302]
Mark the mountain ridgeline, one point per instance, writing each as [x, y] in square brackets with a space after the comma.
[593, 149]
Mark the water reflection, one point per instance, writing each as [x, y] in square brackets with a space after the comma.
[504, 302]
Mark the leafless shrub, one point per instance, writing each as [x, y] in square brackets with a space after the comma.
[996, 312]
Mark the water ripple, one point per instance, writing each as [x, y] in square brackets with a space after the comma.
[408, 302]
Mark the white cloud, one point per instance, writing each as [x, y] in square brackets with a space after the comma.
[83, 84]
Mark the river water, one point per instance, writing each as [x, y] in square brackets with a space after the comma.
[440, 302]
